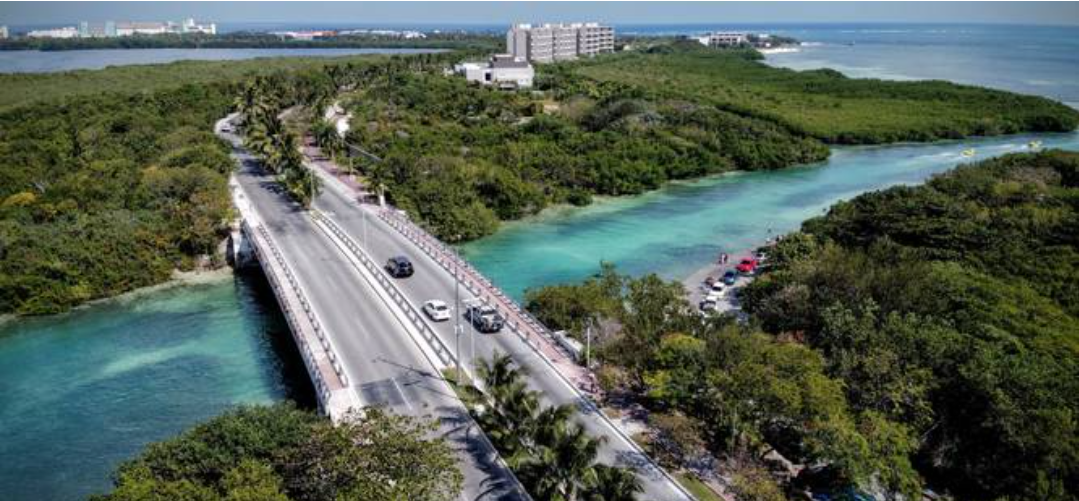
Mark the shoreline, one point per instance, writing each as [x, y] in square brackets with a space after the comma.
[176, 280]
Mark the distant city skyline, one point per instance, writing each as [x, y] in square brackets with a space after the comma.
[457, 13]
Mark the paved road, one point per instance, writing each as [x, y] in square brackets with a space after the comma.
[431, 281]
[383, 363]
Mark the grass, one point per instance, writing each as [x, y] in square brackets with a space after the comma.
[700, 490]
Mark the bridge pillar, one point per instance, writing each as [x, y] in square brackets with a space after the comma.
[240, 254]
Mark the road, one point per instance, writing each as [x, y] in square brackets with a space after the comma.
[384, 364]
[431, 281]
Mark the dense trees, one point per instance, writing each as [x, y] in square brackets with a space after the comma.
[917, 334]
[462, 157]
[823, 103]
[949, 309]
[280, 453]
[726, 388]
[248, 40]
[553, 457]
[99, 195]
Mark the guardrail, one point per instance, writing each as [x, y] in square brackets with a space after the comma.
[321, 386]
[414, 316]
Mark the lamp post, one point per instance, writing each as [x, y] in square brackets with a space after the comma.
[457, 320]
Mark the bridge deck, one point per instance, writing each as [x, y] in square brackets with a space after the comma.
[382, 364]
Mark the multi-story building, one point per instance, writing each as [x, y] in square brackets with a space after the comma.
[545, 43]
[190, 26]
[724, 39]
[97, 30]
[3, 32]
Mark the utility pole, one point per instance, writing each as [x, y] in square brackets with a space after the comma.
[365, 246]
[588, 345]
[457, 319]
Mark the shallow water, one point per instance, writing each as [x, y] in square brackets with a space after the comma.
[81, 392]
[684, 226]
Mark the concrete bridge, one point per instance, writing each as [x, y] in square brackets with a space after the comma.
[360, 345]
[388, 351]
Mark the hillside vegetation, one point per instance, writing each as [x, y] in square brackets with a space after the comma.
[824, 103]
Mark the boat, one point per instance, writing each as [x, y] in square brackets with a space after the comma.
[1034, 145]
[969, 152]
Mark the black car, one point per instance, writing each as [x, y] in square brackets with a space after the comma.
[399, 267]
[485, 318]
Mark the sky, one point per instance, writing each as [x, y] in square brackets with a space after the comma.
[434, 13]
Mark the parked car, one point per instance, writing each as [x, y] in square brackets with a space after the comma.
[708, 305]
[747, 266]
[437, 310]
[717, 288]
[399, 267]
[484, 318]
[730, 277]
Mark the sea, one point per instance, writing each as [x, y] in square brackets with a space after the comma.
[81, 392]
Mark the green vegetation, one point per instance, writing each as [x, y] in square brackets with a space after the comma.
[699, 490]
[26, 88]
[950, 310]
[554, 458]
[100, 195]
[280, 453]
[823, 104]
[916, 335]
[462, 157]
[248, 40]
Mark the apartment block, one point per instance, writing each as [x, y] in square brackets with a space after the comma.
[546, 43]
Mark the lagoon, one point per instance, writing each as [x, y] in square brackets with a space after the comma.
[33, 61]
[682, 227]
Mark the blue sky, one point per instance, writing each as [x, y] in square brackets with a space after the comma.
[505, 12]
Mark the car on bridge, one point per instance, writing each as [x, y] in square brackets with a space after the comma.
[399, 267]
[437, 310]
[485, 318]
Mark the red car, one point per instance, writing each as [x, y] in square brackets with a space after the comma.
[747, 266]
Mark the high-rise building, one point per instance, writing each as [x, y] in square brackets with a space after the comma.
[545, 43]
[3, 32]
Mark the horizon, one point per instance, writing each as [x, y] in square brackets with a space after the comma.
[484, 13]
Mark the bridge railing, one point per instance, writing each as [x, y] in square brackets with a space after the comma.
[519, 320]
[276, 260]
[411, 313]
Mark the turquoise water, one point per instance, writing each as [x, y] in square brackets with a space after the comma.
[678, 229]
[83, 391]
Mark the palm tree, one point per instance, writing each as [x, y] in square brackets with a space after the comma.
[614, 484]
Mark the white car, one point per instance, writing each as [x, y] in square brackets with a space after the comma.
[717, 288]
[437, 310]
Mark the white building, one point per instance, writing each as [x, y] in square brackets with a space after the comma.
[503, 70]
[3, 32]
[190, 26]
[129, 28]
[65, 32]
[545, 43]
[724, 39]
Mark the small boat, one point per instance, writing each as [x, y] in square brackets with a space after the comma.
[969, 152]
[1034, 145]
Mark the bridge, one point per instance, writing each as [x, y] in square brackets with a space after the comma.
[355, 342]
[388, 352]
